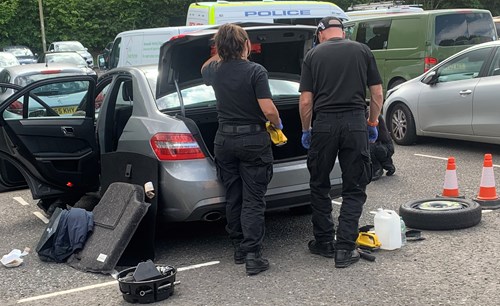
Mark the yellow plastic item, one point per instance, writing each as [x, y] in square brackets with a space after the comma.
[277, 136]
[368, 239]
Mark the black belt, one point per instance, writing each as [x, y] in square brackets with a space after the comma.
[250, 128]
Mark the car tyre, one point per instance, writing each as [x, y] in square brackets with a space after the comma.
[441, 213]
[396, 83]
[402, 125]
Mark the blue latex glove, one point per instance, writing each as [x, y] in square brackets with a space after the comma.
[280, 126]
[306, 139]
[372, 133]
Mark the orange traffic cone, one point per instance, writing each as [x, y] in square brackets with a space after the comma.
[487, 196]
[450, 188]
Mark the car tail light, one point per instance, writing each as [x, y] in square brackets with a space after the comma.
[176, 146]
[429, 62]
[50, 71]
[16, 107]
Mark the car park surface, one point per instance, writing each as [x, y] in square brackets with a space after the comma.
[140, 120]
[456, 267]
[456, 99]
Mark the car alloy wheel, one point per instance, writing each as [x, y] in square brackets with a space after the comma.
[402, 125]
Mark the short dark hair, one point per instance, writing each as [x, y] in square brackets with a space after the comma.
[230, 41]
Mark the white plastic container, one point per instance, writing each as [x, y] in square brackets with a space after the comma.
[388, 229]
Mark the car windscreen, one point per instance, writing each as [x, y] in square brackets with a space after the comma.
[200, 95]
[65, 58]
[20, 52]
[464, 29]
[24, 80]
[69, 46]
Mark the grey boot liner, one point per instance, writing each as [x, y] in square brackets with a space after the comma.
[116, 218]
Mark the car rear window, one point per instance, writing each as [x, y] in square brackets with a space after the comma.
[464, 29]
[24, 80]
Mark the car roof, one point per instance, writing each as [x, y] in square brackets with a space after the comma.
[66, 41]
[15, 47]
[412, 14]
[29, 69]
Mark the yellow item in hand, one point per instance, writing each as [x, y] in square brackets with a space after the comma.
[277, 136]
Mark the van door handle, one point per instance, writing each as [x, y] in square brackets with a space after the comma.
[464, 93]
[68, 131]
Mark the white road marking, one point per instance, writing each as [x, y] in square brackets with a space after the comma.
[53, 294]
[442, 158]
[21, 201]
[41, 217]
[336, 203]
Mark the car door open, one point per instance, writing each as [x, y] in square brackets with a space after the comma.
[50, 141]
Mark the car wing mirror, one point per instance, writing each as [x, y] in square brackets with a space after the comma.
[431, 78]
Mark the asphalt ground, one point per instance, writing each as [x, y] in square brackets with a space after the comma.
[458, 267]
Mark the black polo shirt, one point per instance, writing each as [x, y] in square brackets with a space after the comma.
[237, 85]
[337, 72]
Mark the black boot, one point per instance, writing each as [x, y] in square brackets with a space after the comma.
[345, 258]
[390, 170]
[377, 174]
[239, 254]
[255, 263]
[324, 249]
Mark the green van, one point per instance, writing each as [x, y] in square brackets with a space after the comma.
[407, 45]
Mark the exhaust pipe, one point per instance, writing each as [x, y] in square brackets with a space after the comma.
[212, 216]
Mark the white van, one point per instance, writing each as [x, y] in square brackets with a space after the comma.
[288, 12]
[142, 47]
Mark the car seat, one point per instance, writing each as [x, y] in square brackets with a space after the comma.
[377, 41]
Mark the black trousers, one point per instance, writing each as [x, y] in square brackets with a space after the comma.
[244, 165]
[344, 135]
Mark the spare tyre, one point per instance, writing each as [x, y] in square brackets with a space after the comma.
[441, 213]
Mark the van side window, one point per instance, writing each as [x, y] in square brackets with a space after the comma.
[467, 66]
[463, 29]
[374, 34]
[114, 57]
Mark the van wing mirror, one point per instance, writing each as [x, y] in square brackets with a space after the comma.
[101, 63]
[431, 78]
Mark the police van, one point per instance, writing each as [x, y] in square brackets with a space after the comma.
[288, 12]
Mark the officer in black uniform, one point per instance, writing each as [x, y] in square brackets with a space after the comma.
[242, 145]
[335, 74]
[381, 152]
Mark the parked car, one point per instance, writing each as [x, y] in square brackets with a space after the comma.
[496, 19]
[8, 59]
[158, 123]
[456, 99]
[57, 100]
[70, 57]
[60, 98]
[58, 46]
[23, 54]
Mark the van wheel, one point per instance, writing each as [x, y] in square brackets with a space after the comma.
[396, 83]
[441, 213]
[402, 125]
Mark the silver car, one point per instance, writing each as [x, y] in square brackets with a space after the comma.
[158, 123]
[456, 99]
[71, 45]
